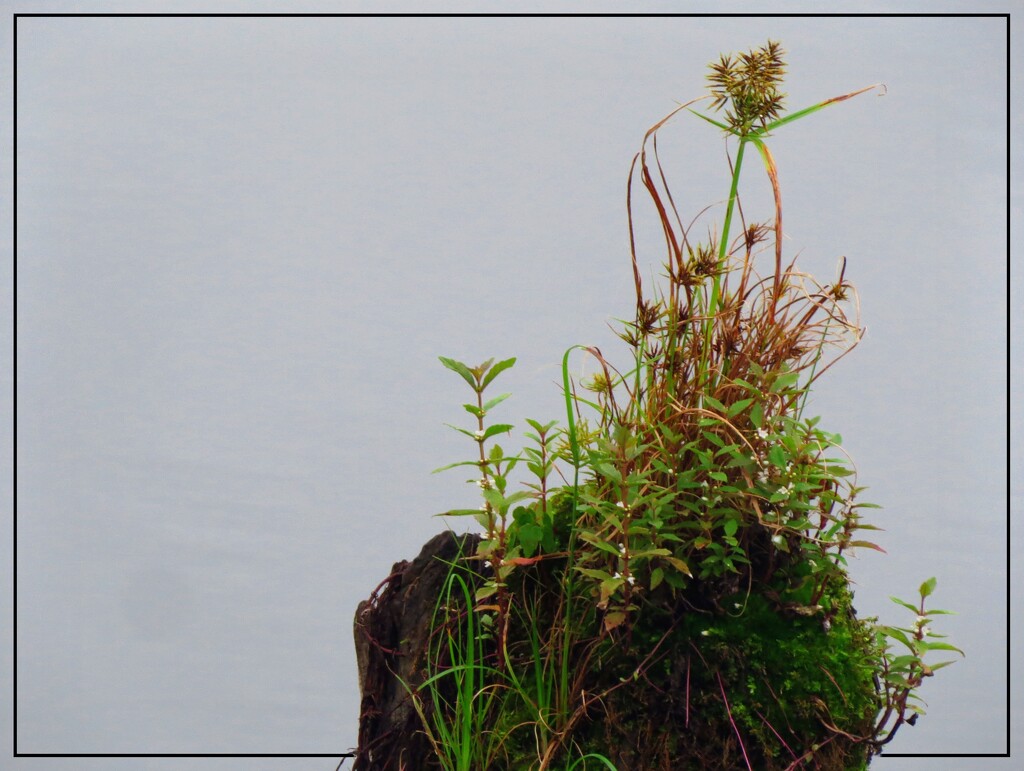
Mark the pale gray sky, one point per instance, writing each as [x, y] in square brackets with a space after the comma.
[243, 243]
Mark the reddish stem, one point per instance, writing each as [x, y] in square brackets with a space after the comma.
[728, 711]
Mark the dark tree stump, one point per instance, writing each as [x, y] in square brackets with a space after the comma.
[392, 635]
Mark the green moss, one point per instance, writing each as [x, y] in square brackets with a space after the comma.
[787, 674]
[792, 687]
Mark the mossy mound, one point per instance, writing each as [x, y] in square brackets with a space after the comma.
[759, 686]
[753, 684]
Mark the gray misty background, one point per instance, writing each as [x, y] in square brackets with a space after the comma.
[243, 243]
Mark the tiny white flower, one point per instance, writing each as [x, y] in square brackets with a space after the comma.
[617, 575]
[762, 433]
[925, 630]
[778, 540]
[480, 434]
[737, 605]
[631, 580]
[921, 620]
[487, 563]
[620, 504]
[622, 548]
[705, 633]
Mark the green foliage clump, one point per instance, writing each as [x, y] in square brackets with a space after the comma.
[669, 589]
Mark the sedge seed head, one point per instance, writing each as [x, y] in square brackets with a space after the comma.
[749, 85]
[599, 384]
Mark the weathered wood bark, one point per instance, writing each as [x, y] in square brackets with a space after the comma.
[392, 630]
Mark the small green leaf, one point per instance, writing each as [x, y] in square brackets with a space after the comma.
[714, 438]
[927, 587]
[472, 409]
[497, 428]
[784, 381]
[489, 405]
[518, 495]
[938, 646]
[757, 415]
[738, 407]
[485, 591]
[746, 384]
[647, 553]
[598, 543]
[898, 634]
[776, 456]
[471, 434]
[462, 369]
[522, 515]
[657, 575]
[608, 471]
[730, 527]
[530, 536]
[712, 401]
[611, 585]
[496, 370]
[679, 565]
[455, 465]
[459, 513]
[600, 575]
[495, 498]
[907, 605]
[866, 545]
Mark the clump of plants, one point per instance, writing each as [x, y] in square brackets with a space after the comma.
[668, 590]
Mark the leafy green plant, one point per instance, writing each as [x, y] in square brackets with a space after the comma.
[902, 675]
[701, 531]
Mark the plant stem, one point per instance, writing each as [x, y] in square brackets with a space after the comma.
[723, 248]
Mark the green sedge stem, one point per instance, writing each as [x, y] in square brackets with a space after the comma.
[573, 443]
[562, 701]
[723, 248]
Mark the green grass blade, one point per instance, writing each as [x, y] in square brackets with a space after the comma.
[812, 109]
[607, 763]
[714, 122]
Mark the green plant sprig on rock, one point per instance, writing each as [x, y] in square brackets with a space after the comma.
[694, 559]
